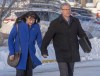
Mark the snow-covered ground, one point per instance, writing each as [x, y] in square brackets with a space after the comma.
[88, 68]
[87, 71]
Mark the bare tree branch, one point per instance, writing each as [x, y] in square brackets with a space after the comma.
[2, 9]
[4, 12]
[7, 10]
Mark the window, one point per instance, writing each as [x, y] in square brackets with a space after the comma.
[18, 14]
[43, 15]
[53, 15]
[89, 1]
[71, 0]
[47, 16]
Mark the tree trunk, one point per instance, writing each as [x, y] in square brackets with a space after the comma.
[1, 39]
[4, 12]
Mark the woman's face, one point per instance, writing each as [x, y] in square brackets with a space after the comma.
[30, 20]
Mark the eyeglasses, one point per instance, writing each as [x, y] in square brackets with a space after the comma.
[66, 9]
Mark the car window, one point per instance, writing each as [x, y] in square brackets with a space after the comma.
[71, 0]
[83, 12]
[89, 1]
[43, 15]
[18, 14]
[83, 18]
[53, 15]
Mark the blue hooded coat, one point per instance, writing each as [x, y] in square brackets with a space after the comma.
[28, 37]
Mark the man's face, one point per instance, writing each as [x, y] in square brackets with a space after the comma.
[66, 11]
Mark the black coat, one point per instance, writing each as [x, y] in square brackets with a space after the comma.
[65, 39]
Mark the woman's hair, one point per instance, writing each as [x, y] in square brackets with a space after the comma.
[31, 14]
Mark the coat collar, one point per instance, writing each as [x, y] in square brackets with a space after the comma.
[61, 19]
[26, 25]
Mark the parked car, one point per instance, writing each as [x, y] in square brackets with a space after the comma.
[84, 18]
[82, 11]
[46, 12]
[90, 5]
[97, 21]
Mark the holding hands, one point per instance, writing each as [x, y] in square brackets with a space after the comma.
[44, 55]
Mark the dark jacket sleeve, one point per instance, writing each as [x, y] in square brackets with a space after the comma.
[47, 38]
[81, 33]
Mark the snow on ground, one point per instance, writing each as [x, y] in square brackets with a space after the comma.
[91, 71]
[88, 68]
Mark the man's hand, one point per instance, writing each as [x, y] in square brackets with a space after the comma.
[45, 56]
[12, 57]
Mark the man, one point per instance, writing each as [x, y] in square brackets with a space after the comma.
[64, 32]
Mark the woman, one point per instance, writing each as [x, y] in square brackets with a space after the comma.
[28, 33]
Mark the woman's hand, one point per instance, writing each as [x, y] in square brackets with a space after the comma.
[12, 57]
[45, 56]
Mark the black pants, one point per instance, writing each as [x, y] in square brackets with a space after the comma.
[66, 69]
[28, 71]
